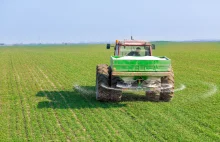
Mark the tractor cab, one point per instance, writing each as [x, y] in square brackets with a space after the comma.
[132, 48]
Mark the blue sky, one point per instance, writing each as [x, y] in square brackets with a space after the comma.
[57, 21]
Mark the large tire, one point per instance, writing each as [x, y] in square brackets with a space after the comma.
[117, 93]
[167, 94]
[154, 95]
[102, 79]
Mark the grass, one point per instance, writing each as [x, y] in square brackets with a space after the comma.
[38, 101]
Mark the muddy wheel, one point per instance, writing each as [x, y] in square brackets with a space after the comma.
[115, 94]
[168, 92]
[102, 79]
[154, 95]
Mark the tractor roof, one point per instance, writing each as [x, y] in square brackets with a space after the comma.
[133, 42]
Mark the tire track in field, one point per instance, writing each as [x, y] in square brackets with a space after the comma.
[48, 113]
[27, 76]
[12, 105]
[73, 114]
[34, 76]
[23, 102]
[21, 99]
[53, 110]
[10, 91]
[38, 119]
[34, 114]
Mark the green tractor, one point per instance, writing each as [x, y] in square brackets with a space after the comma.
[133, 67]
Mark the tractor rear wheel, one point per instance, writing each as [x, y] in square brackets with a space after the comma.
[154, 95]
[102, 83]
[167, 93]
[117, 93]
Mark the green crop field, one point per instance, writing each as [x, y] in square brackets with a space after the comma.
[47, 93]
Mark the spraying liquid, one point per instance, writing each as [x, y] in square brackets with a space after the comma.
[213, 89]
[182, 87]
[164, 86]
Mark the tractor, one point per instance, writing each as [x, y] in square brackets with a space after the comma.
[133, 67]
